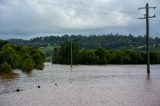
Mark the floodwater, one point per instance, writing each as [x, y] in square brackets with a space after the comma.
[84, 85]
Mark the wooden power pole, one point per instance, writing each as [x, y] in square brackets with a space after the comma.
[71, 52]
[147, 17]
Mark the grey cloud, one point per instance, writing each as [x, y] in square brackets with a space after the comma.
[29, 17]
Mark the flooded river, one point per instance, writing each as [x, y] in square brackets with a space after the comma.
[83, 85]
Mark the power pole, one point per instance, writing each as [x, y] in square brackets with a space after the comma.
[147, 17]
[71, 51]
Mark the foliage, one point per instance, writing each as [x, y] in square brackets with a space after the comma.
[27, 64]
[114, 49]
[110, 42]
[155, 57]
[103, 56]
[9, 55]
[20, 57]
[88, 57]
[65, 52]
[5, 68]
[2, 43]
[38, 58]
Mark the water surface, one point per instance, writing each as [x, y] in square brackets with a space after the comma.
[83, 85]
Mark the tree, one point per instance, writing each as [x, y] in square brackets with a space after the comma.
[65, 52]
[101, 53]
[9, 55]
[155, 58]
[20, 57]
[37, 57]
[5, 68]
[88, 57]
[27, 64]
[38, 60]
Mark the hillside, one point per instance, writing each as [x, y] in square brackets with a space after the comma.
[110, 42]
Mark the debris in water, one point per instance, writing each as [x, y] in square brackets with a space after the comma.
[17, 90]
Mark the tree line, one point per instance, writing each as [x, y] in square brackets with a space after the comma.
[109, 41]
[62, 55]
[20, 57]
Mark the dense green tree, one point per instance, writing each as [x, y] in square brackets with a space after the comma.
[65, 52]
[5, 68]
[88, 57]
[9, 55]
[155, 57]
[2, 43]
[120, 49]
[38, 60]
[56, 56]
[37, 57]
[110, 41]
[20, 57]
[27, 63]
[102, 55]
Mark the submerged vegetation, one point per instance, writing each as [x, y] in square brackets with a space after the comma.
[101, 56]
[19, 57]
[103, 49]
[5, 67]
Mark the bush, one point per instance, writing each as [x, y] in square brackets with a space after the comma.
[8, 54]
[38, 58]
[5, 67]
[27, 64]
[20, 57]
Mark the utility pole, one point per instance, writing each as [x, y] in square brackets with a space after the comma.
[71, 51]
[147, 17]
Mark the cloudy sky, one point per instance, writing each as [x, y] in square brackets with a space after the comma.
[32, 18]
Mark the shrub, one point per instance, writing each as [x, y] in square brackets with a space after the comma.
[5, 67]
[38, 60]
[9, 55]
[27, 64]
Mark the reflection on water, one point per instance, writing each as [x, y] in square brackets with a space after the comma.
[148, 83]
[111, 85]
[10, 75]
[6, 81]
[148, 76]
[148, 91]
[28, 73]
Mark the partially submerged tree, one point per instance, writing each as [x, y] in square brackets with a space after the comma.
[9, 55]
[65, 52]
[27, 63]
[5, 68]
[19, 57]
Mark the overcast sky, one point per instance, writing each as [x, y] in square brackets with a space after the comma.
[32, 18]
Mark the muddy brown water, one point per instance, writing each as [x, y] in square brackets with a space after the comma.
[84, 85]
